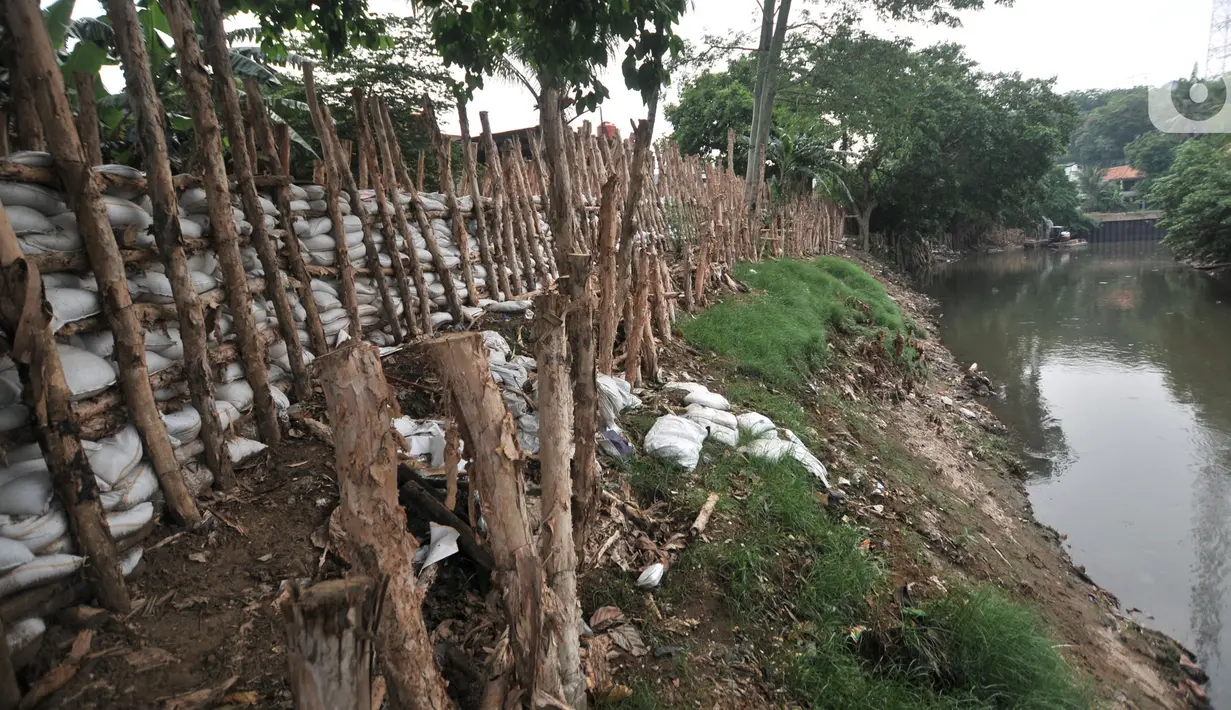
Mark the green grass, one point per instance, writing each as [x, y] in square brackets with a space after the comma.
[782, 334]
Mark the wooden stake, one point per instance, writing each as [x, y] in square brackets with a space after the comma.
[632, 323]
[283, 136]
[390, 159]
[444, 159]
[29, 127]
[10, 692]
[38, 58]
[282, 195]
[504, 225]
[459, 359]
[130, 42]
[480, 217]
[608, 275]
[329, 632]
[87, 118]
[23, 315]
[275, 285]
[360, 409]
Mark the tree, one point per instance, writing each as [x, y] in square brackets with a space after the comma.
[1153, 153]
[1104, 132]
[331, 28]
[1195, 196]
[1097, 194]
[712, 104]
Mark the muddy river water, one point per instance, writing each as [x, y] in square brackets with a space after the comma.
[1116, 363]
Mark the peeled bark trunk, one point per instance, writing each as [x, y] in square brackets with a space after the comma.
[459, 360]
[243, 159]
[608, 275]
[457, 223]
[87, 118]
[504, 223]
[29, 127]
[329, 632]
[148, 107]
[480, 216]
[38, 59]
[23, 315]
[361, 406]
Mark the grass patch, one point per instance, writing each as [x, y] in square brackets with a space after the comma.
[782, 334]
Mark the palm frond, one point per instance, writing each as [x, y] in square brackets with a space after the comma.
[244, 34]
[92, 29]
[295, 137]
[507, 69]
[243, 65]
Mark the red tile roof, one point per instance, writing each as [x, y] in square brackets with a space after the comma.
[1122, 172]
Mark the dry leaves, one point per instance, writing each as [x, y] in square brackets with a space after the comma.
[605, 617]
[149, 658]
[201, 699]
[59, 676]
[629, 639]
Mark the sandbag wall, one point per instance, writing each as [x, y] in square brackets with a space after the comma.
[36, 549]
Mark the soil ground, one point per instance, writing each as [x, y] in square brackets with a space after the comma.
[203, 633]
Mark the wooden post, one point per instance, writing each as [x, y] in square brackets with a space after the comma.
[87, 118]
[360, 409]
[275, 284]
[459, 359]
[365, 219]
[329, 631]
[503, 212]
[556, 443]
[333, 180]
[637, 302]
[628, 225]
[29, 127]
[130, 42]
[391, 157]
[260, 123]
[535, 244]
[608, 275]
[4, 135]
[384, 198]
[480, 217]
[10, 692]
[23, 315]
[444, 159]
[38, 58]
[283, 136]
[419, 176]
[452, 302]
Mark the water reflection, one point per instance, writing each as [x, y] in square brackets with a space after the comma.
[1119, 385]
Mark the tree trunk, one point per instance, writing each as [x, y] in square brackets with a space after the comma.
[504, 224]
[556, 534]
[39, 62]
[329, 632]
[480, 217]
[763, 98]
[524, 220]
[148, 107]
[275, 285]
[628, 226]
[457, 223]
[29, 127]
[864, 220]
[391, 156]
[274, 155]
[608, 274]
[23, 315]
[360, 409]
[459, 360]
[87, 118]
[752, 171]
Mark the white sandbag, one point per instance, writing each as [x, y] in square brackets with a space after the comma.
[194, 200]
[27, 220]
[440, 319]
[281, 402]
[300, 206]
[44, 569]
[702, 415]
[137, 488]
[756, 425]
[112, 459]
[677, 440]
[426, 438]
[25, 194]
[123, 214]
[32, 158]
[508, 306]
[25, 637]
[712, 400]
[615, 395]
[13, 554]
[155, 363]
[771, 450]
[127, 522]
[28, 494]
[806, 458]
[130, 560]
[69, 305]
[312, 192]
[87, 373]
[688, 387]
[231, 372]
[238, 393]
[197, 477]
[244, 451]
[185, 425]
[35, 532]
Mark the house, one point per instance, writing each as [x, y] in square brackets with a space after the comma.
[1126, 176]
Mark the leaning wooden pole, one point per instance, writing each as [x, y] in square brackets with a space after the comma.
[87, 118]
[457, 223]
[130, 42]
[458, 359]
[480, 217]
[504, 223]
[265, 138]
[275, 282]
[34, 45]
[361, 407]
[389, 158]
[24, 316]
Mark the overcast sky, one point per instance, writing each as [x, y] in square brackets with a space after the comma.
[1084, 44]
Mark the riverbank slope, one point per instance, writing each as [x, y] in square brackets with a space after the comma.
[924, 581]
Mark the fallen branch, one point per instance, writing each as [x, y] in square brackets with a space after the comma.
[703, 518]
[413, 495]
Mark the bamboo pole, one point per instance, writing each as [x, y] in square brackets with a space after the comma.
[390, 158]
[34, 45]
[195, 80]
[365, 219]
[148, 108]
[87, 118]
[23, 315]
[504, 224]
[457, 223]
[480, 218]
[384, 198]
[282, 194]
[452, 302]
[243, 159]
[333, 180]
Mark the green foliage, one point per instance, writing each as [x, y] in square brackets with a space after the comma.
[712, 104]
[331, 28]
[1195, 197]
[781, 335]
[1153, 153]
[1118, 119]
[1097, 194]
[1057, 199]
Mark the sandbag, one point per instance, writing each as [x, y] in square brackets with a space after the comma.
[87, 373]
[227, 413]
[508, 306]
[115, 457]
[238, 393]
[23, 194]
[712, 400]
[27, 220]
[677, 440]
[615, 395]
[13, 554]
[243, 451]
[69, 305]
[138, 487]
[32, 158]
[28, 494]
[24, 639]
[756, 425]
[44, 569]
[123, 214]
[184, 426]
[35, 532]
[127, 522]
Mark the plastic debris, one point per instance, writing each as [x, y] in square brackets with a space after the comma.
[443, 544]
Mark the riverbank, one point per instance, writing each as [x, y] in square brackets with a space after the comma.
[931, 496]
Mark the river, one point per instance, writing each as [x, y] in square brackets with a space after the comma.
[1116, 363]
